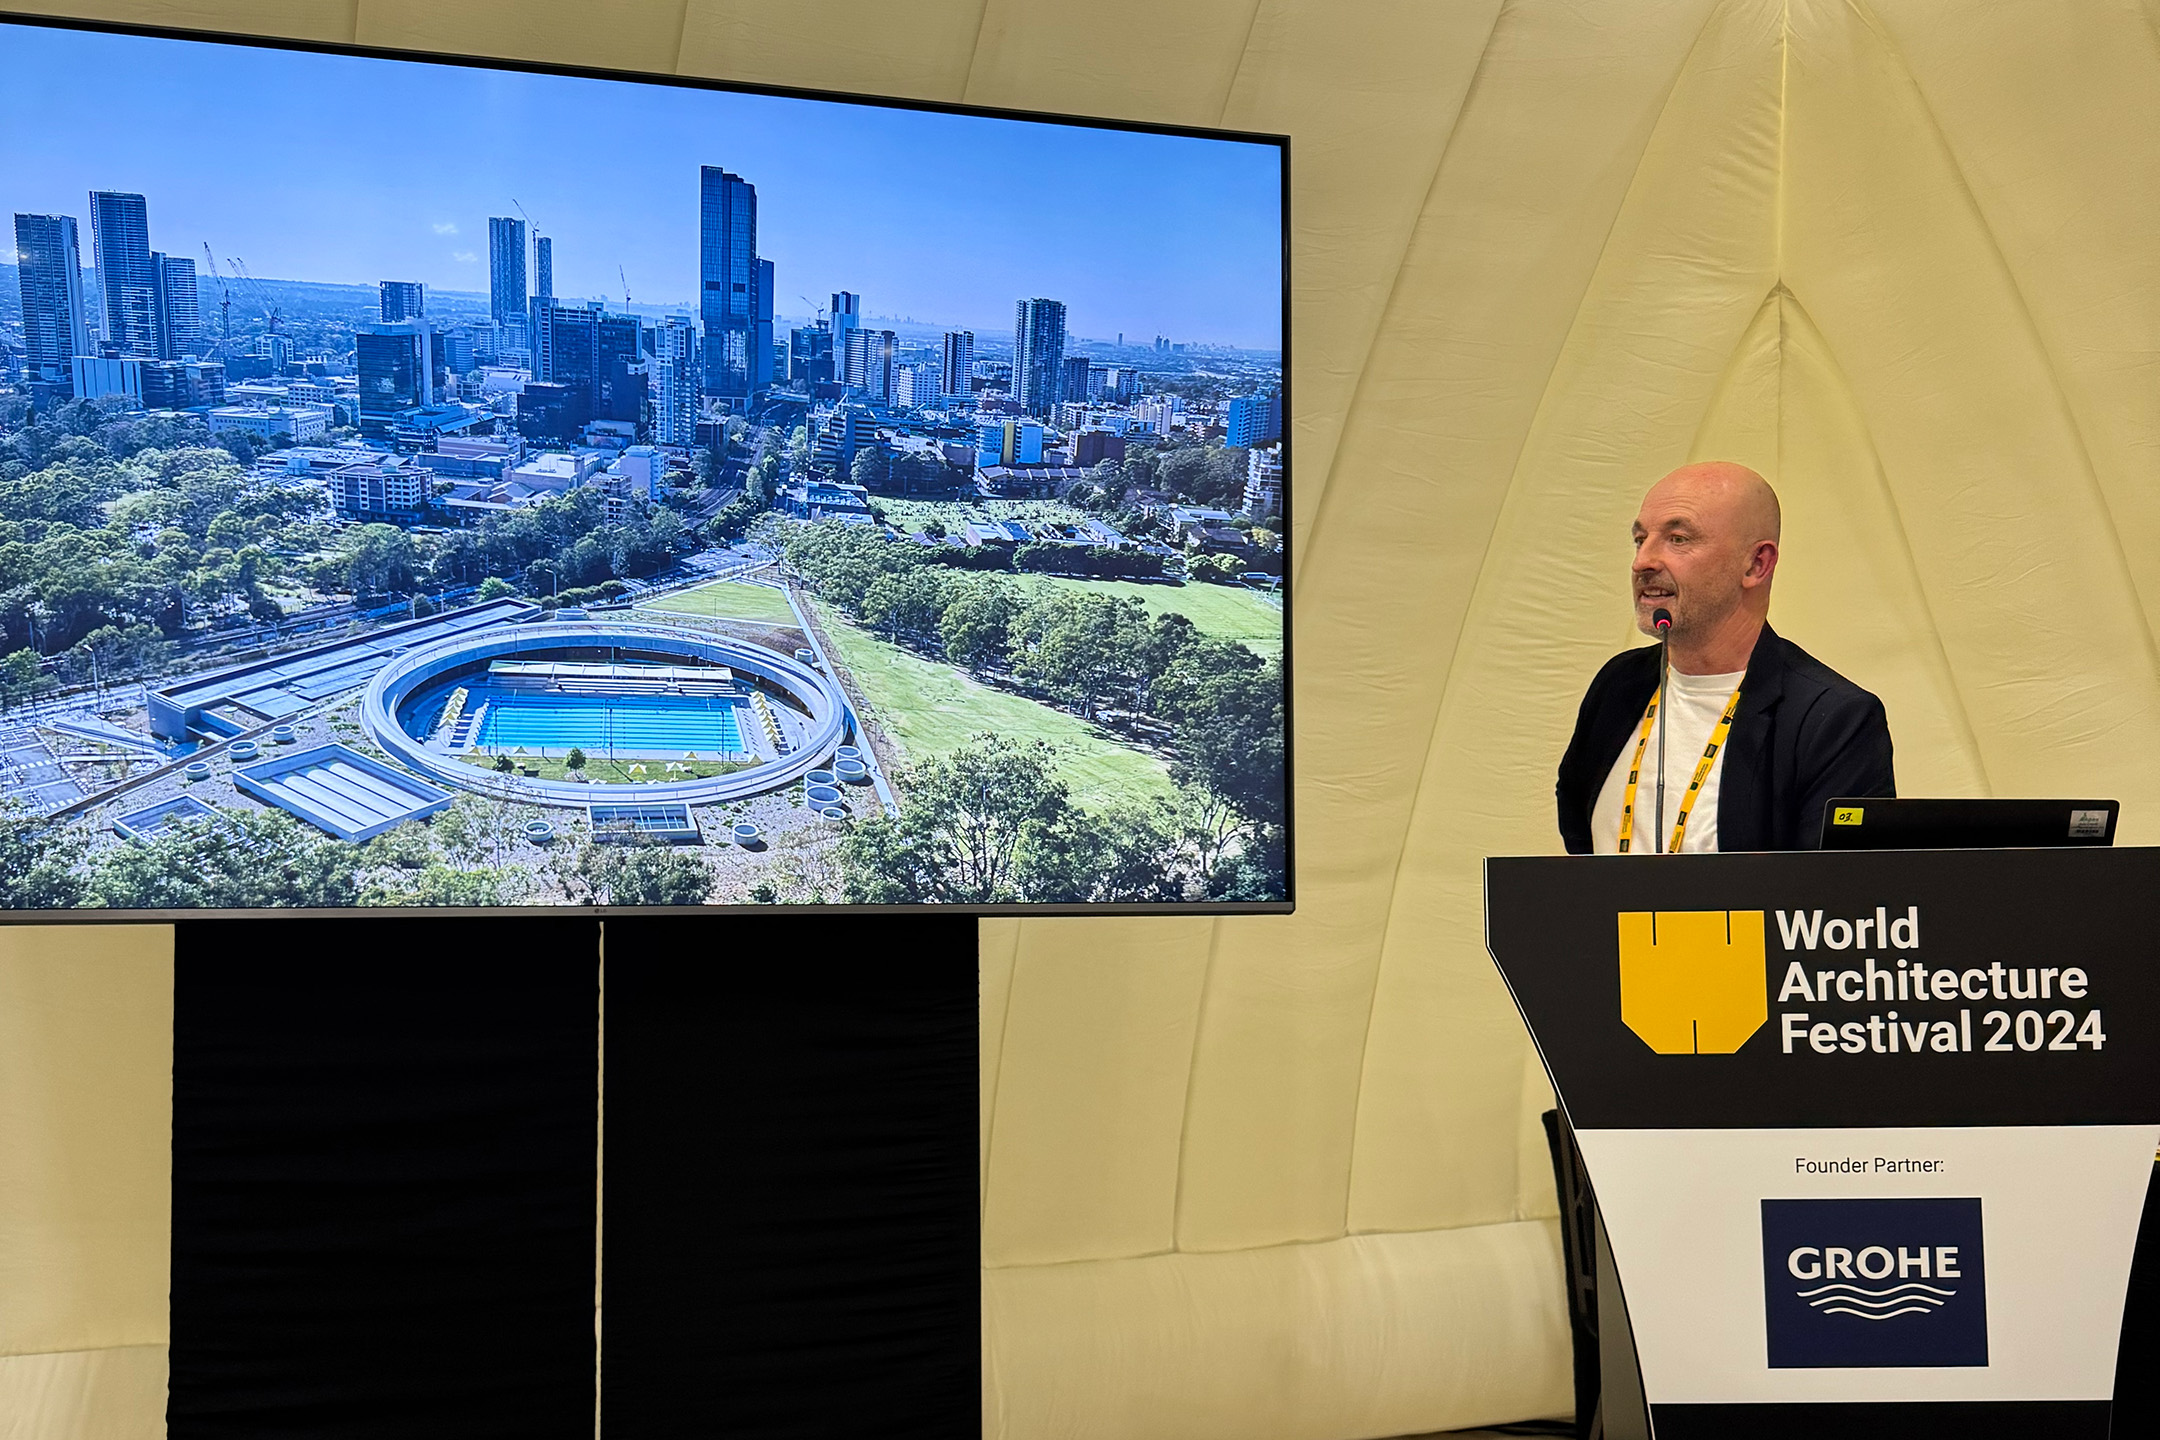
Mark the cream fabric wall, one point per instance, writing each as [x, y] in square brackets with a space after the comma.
[1282, 1178]
[85, 1180]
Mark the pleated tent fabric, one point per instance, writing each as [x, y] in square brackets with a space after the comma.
[1283, 1179]
[86, 1051]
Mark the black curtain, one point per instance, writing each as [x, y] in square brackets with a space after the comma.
[791, 1201]
[384, 1184]
[384, 1142]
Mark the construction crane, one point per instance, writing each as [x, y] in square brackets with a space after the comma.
[262, 296]
[224, 299]
[819, 308]
[625, 287]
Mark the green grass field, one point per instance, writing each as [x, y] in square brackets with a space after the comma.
[1224, 611]
[732, 600]
[931, 709]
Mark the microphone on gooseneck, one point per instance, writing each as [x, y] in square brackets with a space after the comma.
[1661, 621]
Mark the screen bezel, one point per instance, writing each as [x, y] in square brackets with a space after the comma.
[1281, 142]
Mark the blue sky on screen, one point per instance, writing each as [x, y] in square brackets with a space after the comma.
[318, 167]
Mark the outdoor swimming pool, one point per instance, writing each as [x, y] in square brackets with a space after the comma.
[665, 725]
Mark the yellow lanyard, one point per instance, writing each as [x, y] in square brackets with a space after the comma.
[1694, 789]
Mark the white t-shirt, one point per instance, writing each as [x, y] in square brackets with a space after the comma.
[1697, 702]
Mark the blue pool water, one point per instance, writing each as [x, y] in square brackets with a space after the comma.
[651, 724]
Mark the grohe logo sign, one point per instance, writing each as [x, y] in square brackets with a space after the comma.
[1874, 1283]
[1691, 981]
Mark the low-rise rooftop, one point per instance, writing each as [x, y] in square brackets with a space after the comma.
[224, 701]
[341, 791]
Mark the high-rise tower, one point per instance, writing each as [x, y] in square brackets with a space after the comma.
[728, 281]
[761, 324]
[959, 368]
[52, 300]
[846, 316]
[395, 373]
[868, 364]
[624, 377]
[127, 279]
[810, 355]
[674, 373]
[402, 300]
[1038, 354]
[1073, 378]
[566, 350]
[506, 272]
[179, 307]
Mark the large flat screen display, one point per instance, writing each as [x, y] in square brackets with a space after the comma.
[436, 484]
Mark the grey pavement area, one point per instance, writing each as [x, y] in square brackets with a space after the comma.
[36, 740]
[31, 772]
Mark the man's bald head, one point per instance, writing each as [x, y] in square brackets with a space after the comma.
[1733, 495]
[1706, 548]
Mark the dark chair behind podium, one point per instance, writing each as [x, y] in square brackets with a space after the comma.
[1604, 1344]
[2137, 1358]
[1578, 1252]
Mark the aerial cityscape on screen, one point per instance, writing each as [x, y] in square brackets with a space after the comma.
[536, 490]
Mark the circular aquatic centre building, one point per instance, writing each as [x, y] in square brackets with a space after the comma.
[658, 714]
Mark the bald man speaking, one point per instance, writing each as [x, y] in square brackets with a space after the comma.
[1758, 733]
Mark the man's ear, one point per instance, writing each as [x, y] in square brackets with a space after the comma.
[1762, 564]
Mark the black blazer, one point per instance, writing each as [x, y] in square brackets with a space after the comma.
[1804, 734]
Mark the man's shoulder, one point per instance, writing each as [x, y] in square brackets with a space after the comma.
[1610, 705]
[1806, 677]
[1615, 696]
[1635, 662]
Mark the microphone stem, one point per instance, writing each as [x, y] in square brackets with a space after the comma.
[1664, 704]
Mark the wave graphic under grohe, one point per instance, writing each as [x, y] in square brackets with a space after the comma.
[1858, 1301]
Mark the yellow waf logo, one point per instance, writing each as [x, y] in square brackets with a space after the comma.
[1691, 981]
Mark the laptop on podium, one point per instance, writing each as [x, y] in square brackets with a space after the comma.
[1876, 823]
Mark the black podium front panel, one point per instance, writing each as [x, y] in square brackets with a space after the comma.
[1870, 1133]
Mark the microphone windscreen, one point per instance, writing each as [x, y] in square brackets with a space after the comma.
[1661, 618]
